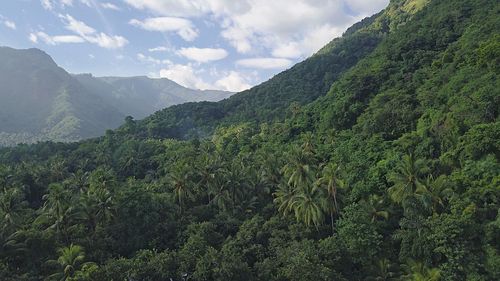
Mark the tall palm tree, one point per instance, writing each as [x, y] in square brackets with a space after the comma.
[308, 206]
[407, 179]
[285, 197]
[181, 182]
[58, 211]
[210, 167]
[308, 142]
[97, 207]
[11, 208]
[331, 181]
[299, 169]
[70, 260]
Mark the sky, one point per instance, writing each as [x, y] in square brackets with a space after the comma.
[204, 44]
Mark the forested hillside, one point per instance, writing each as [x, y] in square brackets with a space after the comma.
[382, 163]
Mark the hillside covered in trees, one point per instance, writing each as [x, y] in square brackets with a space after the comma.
[378, 158]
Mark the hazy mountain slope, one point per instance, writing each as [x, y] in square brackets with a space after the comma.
[41, 101]
[141, 96]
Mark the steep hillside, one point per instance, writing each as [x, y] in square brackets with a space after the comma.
[301, 84]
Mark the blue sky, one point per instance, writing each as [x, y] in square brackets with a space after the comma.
[206, 44]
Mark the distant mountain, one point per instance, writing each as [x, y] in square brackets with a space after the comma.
[140, 96]
[41, 101]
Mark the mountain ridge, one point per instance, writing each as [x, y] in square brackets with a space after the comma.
[41, 101]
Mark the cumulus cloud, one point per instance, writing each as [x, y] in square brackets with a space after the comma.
[184, 75]
[183, 27]
[54, 40]
[203, 54]
[10, 24]
[233, 82]
[91, 35]
[289, 29]
[265, 63]
[287, 50]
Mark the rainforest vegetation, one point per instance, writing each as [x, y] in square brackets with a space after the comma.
[376, 159]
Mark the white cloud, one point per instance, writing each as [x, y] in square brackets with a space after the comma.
[148, 59]
[110, 6]
[288, 50]
[51, 4]
[91, 35]
[54, 40]
[79, 27]
[184, 75]
[265, 63]
[233, 82]
[107, 41]
[10, 24]
[47, 4]
[159, 49]
[33, 38]
[365, 8]
[203, 54]
[283, 27]
[183, 27]
[172, 8]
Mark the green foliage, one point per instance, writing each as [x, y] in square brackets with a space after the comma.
[392, 175]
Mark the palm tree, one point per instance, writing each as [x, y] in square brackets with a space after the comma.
[308, 207]
[331, 181]
[299, 194]
[70, 260]
[384, 270]
[78, 181]
[10, 245]
[417, 271]
[284, 197]
[11, 208]
[58, 211]
[407, 179]
[375, 205]
[308, 142]
[437, 191]
[180, 180]
[209, 168]
[299, 171]
[97, 207]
